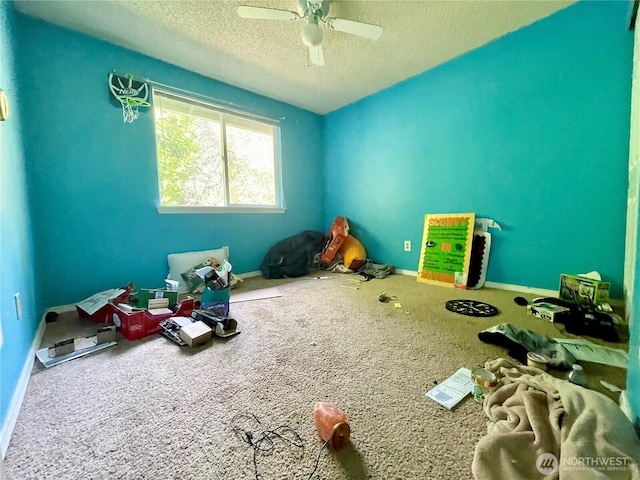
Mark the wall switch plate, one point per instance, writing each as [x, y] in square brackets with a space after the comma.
[407, 245]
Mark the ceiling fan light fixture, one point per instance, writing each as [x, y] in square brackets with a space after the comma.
[312, 34]
[315, 12]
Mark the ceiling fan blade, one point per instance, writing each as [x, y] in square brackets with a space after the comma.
[355, 28]
[266, 13]
[316, 56]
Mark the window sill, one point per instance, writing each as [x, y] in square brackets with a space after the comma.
[209, 210]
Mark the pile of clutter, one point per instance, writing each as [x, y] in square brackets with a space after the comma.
[212, 318]
[338, 251]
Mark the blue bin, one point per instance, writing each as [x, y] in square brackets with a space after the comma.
[216, 301]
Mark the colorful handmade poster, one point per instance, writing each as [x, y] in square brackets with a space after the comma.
[445, 253]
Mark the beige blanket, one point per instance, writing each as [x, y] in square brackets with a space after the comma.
[543, 427]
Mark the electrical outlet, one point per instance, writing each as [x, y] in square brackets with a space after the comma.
[18, 303]
[407, 245]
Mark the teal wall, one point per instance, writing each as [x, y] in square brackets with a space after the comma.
[16, 257]
[531, 130]
[93, 179]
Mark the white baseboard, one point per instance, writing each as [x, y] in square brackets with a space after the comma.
[409, 273]
[256, 273]
[501, 286]
[519, 288]
[20, 391]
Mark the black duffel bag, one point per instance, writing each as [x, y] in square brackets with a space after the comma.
[293, 256]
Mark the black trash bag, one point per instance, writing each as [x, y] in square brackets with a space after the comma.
[293, 256]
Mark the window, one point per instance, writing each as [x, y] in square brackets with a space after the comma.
[211, 159]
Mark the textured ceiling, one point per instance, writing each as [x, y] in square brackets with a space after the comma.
[268, 56]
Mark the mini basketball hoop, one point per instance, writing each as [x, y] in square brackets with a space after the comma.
[130, 93]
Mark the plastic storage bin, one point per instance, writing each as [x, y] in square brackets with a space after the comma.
[216, 301]
[140, 324]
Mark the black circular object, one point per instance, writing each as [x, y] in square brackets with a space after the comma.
[523, 302]
[472, 308]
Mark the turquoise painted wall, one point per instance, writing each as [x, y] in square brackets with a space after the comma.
[93, 181]
[16, 257]
[531, 130]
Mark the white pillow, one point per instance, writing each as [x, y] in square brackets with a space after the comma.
[181, 262]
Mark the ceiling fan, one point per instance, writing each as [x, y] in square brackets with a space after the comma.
[315, 12]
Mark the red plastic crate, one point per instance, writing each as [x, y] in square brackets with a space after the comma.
[130, 324]
[140, 324]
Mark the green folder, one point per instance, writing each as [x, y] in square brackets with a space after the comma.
[143, 296]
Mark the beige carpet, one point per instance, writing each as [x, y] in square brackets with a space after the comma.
[152, 410]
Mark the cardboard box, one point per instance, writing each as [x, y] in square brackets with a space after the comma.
[583, 290]
[196, 333]
[337, 234]
[99, 307]
[547, 311]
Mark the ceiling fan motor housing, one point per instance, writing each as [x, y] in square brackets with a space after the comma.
[320, 8]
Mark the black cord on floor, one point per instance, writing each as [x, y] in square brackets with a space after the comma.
[318, 459]
[251, 431]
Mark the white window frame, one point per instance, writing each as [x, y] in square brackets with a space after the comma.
[191, 104]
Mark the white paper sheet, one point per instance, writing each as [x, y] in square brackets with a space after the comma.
[453, 390]
[587, 351]
[260, 294]
[182, 321]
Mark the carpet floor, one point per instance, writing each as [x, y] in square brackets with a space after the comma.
[150, 409]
